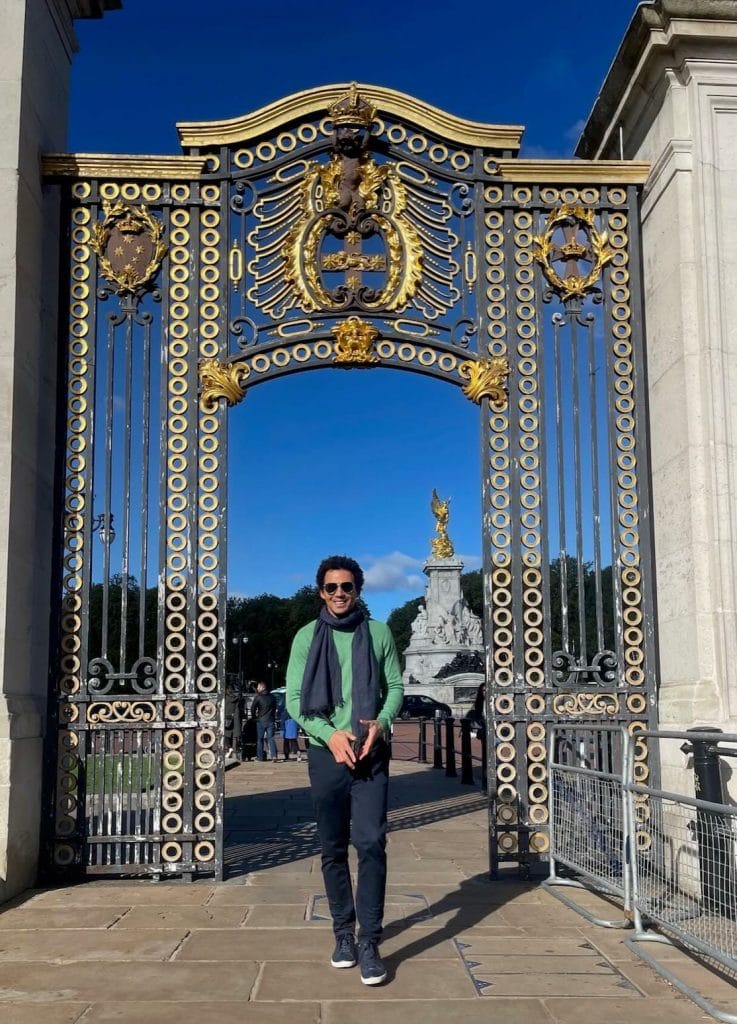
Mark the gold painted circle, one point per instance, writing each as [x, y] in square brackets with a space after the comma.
[506, 772]
[173, 780]
[172, 802]
[204, 779]
[538, 814]
[204, 851]
[172, 822]
[207, 710]
[506, 793]
[535, 704]
[171, 852]
[173, 739]
[447, 363]
[204, 800]
[205, 759]
[536, 772]
[505, 751]
[174, 710]
[505, 731]
[539, 842]
[538, 792]
[507, 841]
[504, 704]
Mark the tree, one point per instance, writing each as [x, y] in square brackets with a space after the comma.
[400, 623]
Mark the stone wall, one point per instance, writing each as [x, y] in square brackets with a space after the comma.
[36, 47]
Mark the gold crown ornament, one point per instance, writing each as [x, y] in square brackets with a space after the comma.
[352, 109]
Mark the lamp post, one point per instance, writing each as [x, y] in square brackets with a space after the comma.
[102, 525]
[272, 665]
[241, 640]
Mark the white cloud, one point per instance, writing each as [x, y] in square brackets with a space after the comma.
[398, 572]
[395, 571]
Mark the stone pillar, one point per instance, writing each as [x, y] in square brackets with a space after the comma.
[671, 98]
[36, 47]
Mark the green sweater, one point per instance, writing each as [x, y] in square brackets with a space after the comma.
[320, 729]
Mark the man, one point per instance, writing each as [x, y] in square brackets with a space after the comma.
[263, 710]
[344, 687]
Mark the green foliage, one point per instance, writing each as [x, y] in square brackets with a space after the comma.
[117, 587]
[472, 586]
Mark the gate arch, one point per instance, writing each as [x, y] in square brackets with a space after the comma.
[349, 226]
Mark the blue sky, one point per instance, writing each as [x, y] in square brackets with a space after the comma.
[332, 460]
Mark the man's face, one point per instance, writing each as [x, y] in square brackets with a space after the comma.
[339, 602]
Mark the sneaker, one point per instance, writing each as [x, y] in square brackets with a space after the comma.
[344, 954]
[373, 971]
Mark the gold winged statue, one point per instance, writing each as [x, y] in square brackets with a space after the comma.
[352, 232]
[442, 545]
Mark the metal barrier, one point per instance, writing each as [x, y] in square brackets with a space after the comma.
[684, 872]
[589, 832]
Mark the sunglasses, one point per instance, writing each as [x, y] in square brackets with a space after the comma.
[347, 588]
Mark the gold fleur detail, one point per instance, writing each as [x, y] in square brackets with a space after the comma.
[221, 380]
[487, 378]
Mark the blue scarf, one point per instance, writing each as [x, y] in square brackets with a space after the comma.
[322, 682]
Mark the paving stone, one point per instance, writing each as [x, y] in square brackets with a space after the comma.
[200, 1013]
[480, 944]
[623, 1011]
[122, 895]
[48, 918]
[181, 918]
[440, 1011]
[411, 979]
[68, 946]
[586, 983]
[253, 895]
[113, 982]
[280, 916]
[42, 1013]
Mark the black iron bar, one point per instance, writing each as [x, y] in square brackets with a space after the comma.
[578, 489]
[466, 762]
[145, 458]
[113, 321]
[126, 497]
[450, 750]
[562, 558]
[437, 744]
[422, 746]
[593, 416]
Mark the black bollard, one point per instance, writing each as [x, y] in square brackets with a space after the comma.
[437, 742]
[450, 749]
[713, 832]
[422, 748]
[466, 762]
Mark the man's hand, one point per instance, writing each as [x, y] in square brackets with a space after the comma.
[340, 746]
[375, 732]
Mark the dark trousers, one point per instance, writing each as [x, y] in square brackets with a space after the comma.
[351, 805]
[265, 732]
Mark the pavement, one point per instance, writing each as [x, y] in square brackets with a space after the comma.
[256, 947]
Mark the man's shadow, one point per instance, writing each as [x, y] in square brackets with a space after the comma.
[473, 901]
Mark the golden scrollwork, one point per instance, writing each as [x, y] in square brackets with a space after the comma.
[586, 704]
[121, 711]
[221, 380]
[573, 221]
[129, 246]
[354, 342]
[442, 545]
[487, 378]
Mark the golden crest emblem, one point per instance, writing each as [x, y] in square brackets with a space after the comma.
[350, 234]
[129, 246]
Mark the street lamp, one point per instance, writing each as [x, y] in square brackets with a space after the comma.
[102, 525]
[272, 665]
[241, 640]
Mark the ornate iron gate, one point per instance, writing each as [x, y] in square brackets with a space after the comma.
[352, 227]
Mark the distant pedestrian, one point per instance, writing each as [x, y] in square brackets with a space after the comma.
[290, 732]
[263, 710]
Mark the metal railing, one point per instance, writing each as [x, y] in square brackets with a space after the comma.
[671, 859]
[684, 868]
[588, 815]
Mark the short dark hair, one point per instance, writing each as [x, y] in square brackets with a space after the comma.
[340, 562]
